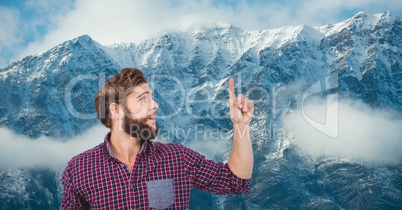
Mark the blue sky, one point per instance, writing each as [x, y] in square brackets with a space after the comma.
[29, 27]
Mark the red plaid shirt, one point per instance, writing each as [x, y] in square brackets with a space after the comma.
[162, 178]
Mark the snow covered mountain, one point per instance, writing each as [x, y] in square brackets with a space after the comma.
[52, 94]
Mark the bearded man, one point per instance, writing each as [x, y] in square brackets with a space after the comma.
[130, 171]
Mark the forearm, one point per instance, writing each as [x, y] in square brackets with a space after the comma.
[241, 158]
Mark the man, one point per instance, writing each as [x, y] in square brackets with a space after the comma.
[129, 171]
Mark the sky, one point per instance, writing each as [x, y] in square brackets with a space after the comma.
[28, 27]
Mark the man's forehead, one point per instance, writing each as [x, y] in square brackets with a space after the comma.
[141, 89]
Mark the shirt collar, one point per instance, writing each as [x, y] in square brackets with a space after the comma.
[143, 149]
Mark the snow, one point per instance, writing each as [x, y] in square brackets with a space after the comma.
[330, 29]
[14, 182]
[122, 54]
[373, 20]
[203, 27]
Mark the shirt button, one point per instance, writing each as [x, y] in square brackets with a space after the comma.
[133, 186]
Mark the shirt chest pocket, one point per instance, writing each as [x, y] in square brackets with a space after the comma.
[160, 193]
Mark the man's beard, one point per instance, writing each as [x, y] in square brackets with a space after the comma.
[139, 129]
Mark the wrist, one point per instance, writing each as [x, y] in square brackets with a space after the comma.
[241, 125]
[241, 130]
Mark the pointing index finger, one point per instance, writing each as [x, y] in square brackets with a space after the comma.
[231, 89]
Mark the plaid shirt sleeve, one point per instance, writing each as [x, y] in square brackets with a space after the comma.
[213, 177]
[71, 199]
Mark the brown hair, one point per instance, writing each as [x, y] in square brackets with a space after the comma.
[115, 91]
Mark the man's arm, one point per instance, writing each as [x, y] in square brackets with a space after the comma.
[211, 176]
[70, 200]
[241, 158]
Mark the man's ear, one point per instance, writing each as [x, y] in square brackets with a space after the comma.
[114, 110]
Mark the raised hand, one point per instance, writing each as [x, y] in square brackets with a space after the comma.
[241, 108]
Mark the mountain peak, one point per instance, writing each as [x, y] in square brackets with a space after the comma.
[388, 16]
[84, 37]
[361, 14]
[360, 21]
[83, 40]
[203, 27]
[365, 20]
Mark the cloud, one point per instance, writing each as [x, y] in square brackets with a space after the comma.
[26, 24]
[365, 134]
[9, 22]
[213, 143]
[316, 12]
[20, 152]
[17, 151]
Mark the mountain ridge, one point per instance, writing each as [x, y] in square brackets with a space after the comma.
[280, 55]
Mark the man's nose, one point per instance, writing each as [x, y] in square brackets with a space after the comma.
[154, 105]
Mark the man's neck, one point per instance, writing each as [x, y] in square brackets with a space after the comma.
[124, 147]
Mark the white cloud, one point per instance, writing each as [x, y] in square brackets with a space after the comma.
[17, 151]
[9, 25]
[8, 18]
[20, 26]
[213, 143]
[317, 12]
[20, 152]
[365, 134]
